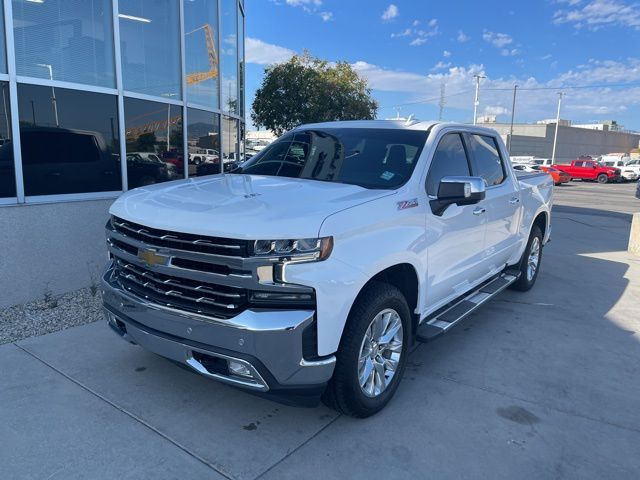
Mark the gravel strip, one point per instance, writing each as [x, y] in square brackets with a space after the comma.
[51, 314]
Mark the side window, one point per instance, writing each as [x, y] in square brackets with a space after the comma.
[449, 159]
[578, 164]
[486, 159]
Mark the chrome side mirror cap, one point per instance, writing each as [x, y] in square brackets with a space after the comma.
[459, 191]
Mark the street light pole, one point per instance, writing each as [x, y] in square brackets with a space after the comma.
[555, 137]
[513, 113]
[477, 99]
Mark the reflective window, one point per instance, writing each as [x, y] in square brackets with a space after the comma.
[70, 40]
[486, 159]
[7, 176]
[150, 47]
[369, 157]
[69, 141]
[229, 57]
[203, 140]
[154, 142]
[449, 159]
[3, 50]
[230, 153]
[201, 51]
[241, 59]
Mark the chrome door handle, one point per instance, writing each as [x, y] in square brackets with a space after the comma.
[514, 200]
[479, 211]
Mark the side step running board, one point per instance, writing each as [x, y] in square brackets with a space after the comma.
[444, 320]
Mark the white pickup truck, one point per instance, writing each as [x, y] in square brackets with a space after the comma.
[312, 269]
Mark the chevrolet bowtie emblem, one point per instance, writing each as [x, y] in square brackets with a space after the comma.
[152, 258]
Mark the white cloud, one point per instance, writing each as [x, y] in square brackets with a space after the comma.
[462, 38]
[597, 14]
[309, 6]
[419, 36]
[498, 40]
[446, 54]
[580, 104]
[390, 13]
[301, 3]
[440, 66]
[404, 33]
[495, 110]
[262, 53]
[506, 52]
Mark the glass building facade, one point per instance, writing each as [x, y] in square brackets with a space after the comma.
[101, 96]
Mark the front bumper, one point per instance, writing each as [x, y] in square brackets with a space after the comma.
[266, 346]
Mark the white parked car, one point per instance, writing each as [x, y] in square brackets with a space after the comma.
[628, 171]
[311, 270]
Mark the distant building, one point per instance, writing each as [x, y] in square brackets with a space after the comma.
[605, 125]
[550, 121]
[537, 140]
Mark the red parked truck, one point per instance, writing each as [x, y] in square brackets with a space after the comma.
[590, 170]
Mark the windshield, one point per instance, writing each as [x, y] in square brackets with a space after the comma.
[368, 157]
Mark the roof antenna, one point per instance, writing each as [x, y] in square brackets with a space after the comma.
[409, 120]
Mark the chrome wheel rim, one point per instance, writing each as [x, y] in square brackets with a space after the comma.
[380, 352]
[534, 258]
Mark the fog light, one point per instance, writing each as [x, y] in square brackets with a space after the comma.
[240, 369]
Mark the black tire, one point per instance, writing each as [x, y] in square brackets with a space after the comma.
[344, 393]
[602, 178]
[525, 282]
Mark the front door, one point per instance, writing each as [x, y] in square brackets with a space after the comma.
[455, 240]
[502, 200]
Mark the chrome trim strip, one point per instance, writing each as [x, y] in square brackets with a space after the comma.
[318, 363]
[258, 384]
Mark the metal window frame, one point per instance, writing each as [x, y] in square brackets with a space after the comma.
[120, 93]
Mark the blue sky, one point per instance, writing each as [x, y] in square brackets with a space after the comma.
[407, 49]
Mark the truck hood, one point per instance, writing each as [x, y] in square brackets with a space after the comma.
[247, 207]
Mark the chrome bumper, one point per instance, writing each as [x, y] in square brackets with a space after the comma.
[268, 344]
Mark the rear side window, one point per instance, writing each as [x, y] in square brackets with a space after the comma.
[486, 157]
[578, 164]
[449, 159]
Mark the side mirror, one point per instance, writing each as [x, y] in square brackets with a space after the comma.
[458, 190]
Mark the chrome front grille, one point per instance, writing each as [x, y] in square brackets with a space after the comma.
[182, 241]
[213, 277]
[202, 298]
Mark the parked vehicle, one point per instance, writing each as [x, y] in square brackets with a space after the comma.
[546, 162]
[146, 168]
[203, 155]
[627, 173]
[558, 176]
[634, 166]
[313, 268]
[590, 170]
[616, 157]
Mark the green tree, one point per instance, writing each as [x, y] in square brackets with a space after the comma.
[307, 90]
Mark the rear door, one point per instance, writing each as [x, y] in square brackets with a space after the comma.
[455, 240]
[502, 202]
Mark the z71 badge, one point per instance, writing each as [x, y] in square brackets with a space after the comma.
[404, 204]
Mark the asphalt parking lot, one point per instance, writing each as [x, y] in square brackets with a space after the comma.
[537, 385]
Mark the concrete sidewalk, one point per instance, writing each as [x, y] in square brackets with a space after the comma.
[537, 385]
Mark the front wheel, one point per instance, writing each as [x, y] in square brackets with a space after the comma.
[529, 265]
[602, 178]
[372, 354]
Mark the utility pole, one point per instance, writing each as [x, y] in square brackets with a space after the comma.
[513, 113]
[477, 100]
[443, 101]
[555, 137]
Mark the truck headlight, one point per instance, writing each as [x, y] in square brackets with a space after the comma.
[305, 249]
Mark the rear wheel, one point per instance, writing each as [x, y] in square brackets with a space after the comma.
[602, 178]
[529, 265]
[372, 354]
